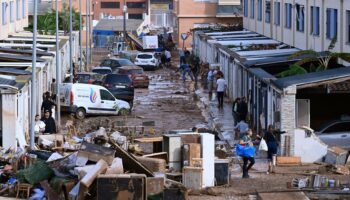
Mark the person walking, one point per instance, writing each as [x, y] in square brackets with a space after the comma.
[185, 68]
[242, 127]
[168, 57]
[195, 69]
[210, 79]
[243, 108]
[235, 112]
[47, 104]
[182, 56]
[247, 142]
[272, 145]
[50, 125]
[220, 89]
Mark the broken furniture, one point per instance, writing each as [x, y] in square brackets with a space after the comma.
[172, 145]
[154, 187]
[94, 153]
[222, 171]
[156, 141]
[23, 188]
[336, 156]
[192, 177]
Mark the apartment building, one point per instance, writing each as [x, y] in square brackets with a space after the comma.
[114, 8]
[305, 24]
[191, 14]
[13, 17]
[161, 13]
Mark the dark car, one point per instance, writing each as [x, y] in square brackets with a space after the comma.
[137, 75]
[115, 63]
[89, 78]
[120, 85]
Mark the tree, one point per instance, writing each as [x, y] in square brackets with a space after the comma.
[47, 22]
[294, 69]
[322, 58]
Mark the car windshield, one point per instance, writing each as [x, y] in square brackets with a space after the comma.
[117, 78]
[102, 71]
[144, 56]
[125, 62]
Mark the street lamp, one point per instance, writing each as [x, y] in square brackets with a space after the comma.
[125, 10]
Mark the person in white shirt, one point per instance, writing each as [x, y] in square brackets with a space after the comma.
[39, 126]
[220, 89]
[168, 57]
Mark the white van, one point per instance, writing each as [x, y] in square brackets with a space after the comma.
[83, 99]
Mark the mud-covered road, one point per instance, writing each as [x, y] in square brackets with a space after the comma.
[169, 102]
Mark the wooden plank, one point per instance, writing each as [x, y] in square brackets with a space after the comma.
[151, 139]
[190, 151]
[190, 138]
[154, 186]
[130, 163]
[284, 160]
[282, 195]
[100, 167]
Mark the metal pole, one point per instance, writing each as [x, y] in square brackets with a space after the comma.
[58, 72]
[90, 32]
[33, 95]
[80, 38]
[124, 20]
[87, 34]
[70, 41]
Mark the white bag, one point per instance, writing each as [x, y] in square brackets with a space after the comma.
[263, 145]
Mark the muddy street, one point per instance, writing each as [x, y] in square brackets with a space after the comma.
[169, 102]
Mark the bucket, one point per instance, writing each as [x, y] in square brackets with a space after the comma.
[331, 183]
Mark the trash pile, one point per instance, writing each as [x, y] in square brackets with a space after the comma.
[111, 165]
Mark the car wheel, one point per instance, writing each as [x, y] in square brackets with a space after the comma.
[80, 113]
[124, 112]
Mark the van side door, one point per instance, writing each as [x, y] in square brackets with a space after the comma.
[107, 102]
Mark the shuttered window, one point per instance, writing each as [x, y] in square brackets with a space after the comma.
[315, 20]
[277, 8]
[288, 11]
[332, 23]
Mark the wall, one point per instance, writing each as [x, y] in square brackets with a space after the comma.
[116, 11]
[16, 25]
[9, 112]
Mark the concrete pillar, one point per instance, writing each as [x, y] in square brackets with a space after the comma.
[288, 100]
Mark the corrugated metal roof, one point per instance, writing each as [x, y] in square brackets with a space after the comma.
[14, 71]
[304, 79]
[261, 73]
[117, 25]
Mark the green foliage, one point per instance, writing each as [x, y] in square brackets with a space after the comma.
[294, 69]
[310, 56]
[47, 22]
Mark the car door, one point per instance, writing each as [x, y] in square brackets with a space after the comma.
[107, 102]
[337, 134]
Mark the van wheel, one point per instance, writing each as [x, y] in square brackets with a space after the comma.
[123, 112]
[80, 113]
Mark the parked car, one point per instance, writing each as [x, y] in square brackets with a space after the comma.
[147, 60]
[89, 78]
[82, 99]
[336, 133]
[137, 75]
[120, 85]
[101, 70]
[115, 63]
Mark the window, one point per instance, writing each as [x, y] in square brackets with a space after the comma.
[315, 20]
[288, 11]
[135, 5]
[4, 13]
[245, 8]
[277, 13]
[24, 9]
[106, 96]
[18, 12]
[300, 17]
[332, 23]
[348, 25]
[252, 9]
[110, 5]
[259, 10]
[12, 17]
[135, 16]
[267, 11]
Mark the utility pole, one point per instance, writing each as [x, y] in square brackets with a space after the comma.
[87, 34]
[125, 9]
[71, 41]
[58, 72]
[33, 86]
[80, 39]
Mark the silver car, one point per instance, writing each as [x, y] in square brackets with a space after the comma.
[336, 133]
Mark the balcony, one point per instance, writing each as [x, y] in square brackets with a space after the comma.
[228, 10]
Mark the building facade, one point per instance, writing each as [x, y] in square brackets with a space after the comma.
[161, 13]
[114, 8]
[304, 24]
[191, 14]
[13, 17]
